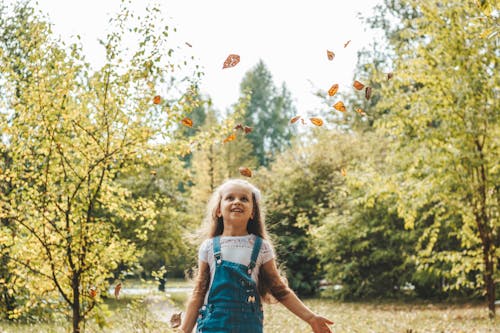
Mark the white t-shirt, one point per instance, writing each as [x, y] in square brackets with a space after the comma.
[235, 249]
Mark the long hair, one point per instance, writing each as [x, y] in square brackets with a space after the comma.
[256, 225]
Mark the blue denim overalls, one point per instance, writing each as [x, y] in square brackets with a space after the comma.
[233, 304]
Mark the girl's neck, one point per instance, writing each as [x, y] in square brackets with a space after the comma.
[228, 231]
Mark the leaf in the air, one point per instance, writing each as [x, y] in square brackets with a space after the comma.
[316, 121]
[231, 61]
[358, 85]
[339, 106]
[244, 171]
[333, 89]
[330, 55]
[187, 122]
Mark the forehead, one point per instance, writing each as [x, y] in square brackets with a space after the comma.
[236, 189]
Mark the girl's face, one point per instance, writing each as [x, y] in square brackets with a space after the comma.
[236, 205]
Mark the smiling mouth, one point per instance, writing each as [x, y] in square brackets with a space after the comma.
[236, 210]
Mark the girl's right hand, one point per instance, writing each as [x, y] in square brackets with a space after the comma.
[320, 324]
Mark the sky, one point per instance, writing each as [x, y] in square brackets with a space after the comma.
[290, 37]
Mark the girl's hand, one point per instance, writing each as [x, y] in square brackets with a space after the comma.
[320, 324]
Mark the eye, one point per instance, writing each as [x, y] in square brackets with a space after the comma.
[244, 199]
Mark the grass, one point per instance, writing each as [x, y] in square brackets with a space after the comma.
[134, 314]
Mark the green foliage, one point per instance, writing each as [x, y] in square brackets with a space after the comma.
[268, 112]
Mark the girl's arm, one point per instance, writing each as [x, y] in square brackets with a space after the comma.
[197, 298]
[288, 298]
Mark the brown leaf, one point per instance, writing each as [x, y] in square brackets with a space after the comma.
[360, 111]
[330, 55]
[294, 119]
[231, 61]
[347, 43]
[368, 92]
[358, 85]
[157, 99]
[339, 106]
[187, 122]
[188, 44]
[316, 121]
[118, 287]
[389, 76]
[230, 138]
[176, 320]
[244, 171]
[238, 127]
[93, 292]
[247, 129]
[333, 90]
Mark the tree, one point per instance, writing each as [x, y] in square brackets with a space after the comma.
[441, 112]
[68, 133]
[268, 112]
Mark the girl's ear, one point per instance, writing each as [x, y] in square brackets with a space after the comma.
[218, 213]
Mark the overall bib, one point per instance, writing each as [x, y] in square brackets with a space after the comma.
[233, 304]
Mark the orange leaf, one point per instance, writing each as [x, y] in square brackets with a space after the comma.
[339, 106]
[316, 121]
[231, 61]
[294, 119]
[117, 289]
[330, 55]
[358, 85]
[152, 173]
[333, 90]
[245, 171]
[93, 292]
[347, 43]
[187, 122]
[176, 320]
[157, 99]
[368, 92]
[360, 111]
[230, 138]
[343, 172]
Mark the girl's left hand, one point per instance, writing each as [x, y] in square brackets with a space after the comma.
[320, 324]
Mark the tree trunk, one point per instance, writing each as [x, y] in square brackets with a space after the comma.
[77, 319]
[489, 282]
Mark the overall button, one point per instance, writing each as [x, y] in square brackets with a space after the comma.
[203, 307]
[219, 261]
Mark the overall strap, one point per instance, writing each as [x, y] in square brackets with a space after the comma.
[217, 251]
[255, 254]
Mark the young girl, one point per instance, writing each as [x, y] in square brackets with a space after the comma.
[237, 269]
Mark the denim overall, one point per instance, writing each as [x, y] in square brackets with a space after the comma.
[233, 304]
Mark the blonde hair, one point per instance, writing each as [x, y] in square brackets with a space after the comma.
[215, 224]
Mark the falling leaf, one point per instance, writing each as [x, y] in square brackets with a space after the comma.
[117, 289]
[389, 76]
[330, 55]
[238, 127]
[245, 171]
[360, 111]
[247, 129]
[368, 92]
[230, 138]
[303, 121]
[339, 106]
[188, 44]
[152, 173]
[157, 99]
[93, 292]
[358, 85]
[294, 119]
[347, 43]
[231, 61]
[343, 172]
[316, 121]
[187, 122]
[176, 320]
[333, 90]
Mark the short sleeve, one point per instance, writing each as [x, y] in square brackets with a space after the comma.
[203, 250]
[266, 252]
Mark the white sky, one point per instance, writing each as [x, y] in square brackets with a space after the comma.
[291, 37]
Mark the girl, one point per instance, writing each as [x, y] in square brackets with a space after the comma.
[237, 269]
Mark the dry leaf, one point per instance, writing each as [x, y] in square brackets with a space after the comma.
[316, 121]
[238, 127]
[330, 55]
[176, 320]
[343, 172]
[157, 99]
[389, 76]
[347, 43]
[247, 129]
[93, 292]
[230, 138]
[339, 106]
[333, 90]
[294, 119]
[368, 92]
[231, 61]
[358, 85]
[187, 122]
[118, 287]
[188, 44]
[360, 111]
[244, 171]
[152, 173]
